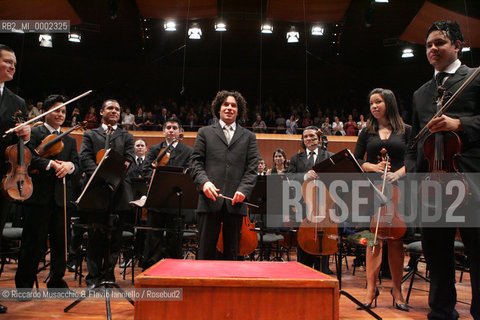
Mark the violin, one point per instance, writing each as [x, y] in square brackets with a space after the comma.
[386, 223]
[164, 155]
[441, 150]
[17, 184]
[318, 233]
[101, 152]
[53, 144]
[248, 238]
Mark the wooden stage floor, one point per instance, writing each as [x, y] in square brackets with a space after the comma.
[123, 310]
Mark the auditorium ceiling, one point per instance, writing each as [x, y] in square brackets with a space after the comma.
[130, 35]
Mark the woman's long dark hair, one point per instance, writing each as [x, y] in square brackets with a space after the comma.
[391, 112]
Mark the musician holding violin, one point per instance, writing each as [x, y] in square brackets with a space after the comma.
[94, 144]
[386, 130]
[10, 103]
[444, 42]
[171, 152]
[44, 210]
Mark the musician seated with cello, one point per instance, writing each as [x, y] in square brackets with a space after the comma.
[303, 163]
[171, 152]
[44, 211]
[386, 130]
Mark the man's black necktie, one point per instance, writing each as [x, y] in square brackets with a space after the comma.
[56, 132]
[139, 161]
[311, 161]
[440, 77]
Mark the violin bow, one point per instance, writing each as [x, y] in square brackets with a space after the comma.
[445, 106]
[47, 112]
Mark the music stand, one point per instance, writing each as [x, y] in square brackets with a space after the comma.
[97, 195]
[345, 162]
[258, 196]
[172, 190]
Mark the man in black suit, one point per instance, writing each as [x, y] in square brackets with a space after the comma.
[444, 43]
[10, 103]
[122, 142]
[159, 245]
[44, 210]
[135, 169]
[303, 163]
[224, 161]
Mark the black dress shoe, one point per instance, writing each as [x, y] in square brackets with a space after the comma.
[407, 268]
[3, 309]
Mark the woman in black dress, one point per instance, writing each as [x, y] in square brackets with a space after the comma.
[385, 130]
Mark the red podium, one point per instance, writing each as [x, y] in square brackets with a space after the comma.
[239, 290]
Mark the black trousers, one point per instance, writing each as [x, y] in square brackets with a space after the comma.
[162, 244]
[438, 247]
[209, 229]
[40, 222]
[100, 262]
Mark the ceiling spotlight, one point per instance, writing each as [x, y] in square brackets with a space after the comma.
[170, 25]
[220, 26]
[407, 53]
[317, 30]
[466, 49]
[74, 37]
[267, 28]
[45, 40]
[381, 1]
[292, 35]
[195, 32]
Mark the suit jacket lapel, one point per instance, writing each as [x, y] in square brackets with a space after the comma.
[456, 77]
[6, 101]
[238, 133]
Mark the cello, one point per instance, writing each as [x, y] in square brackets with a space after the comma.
[318, 232]
[248, 238]
[17, 184]
[386, 223]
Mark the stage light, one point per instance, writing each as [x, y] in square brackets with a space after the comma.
[381, 1]
[220, 26]
[195, 32]
[317, 30]
[170, 25]
[45, 40]
[267, 28]
[407, 53]
[466, 49]
[74, 37]
[292, 35]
